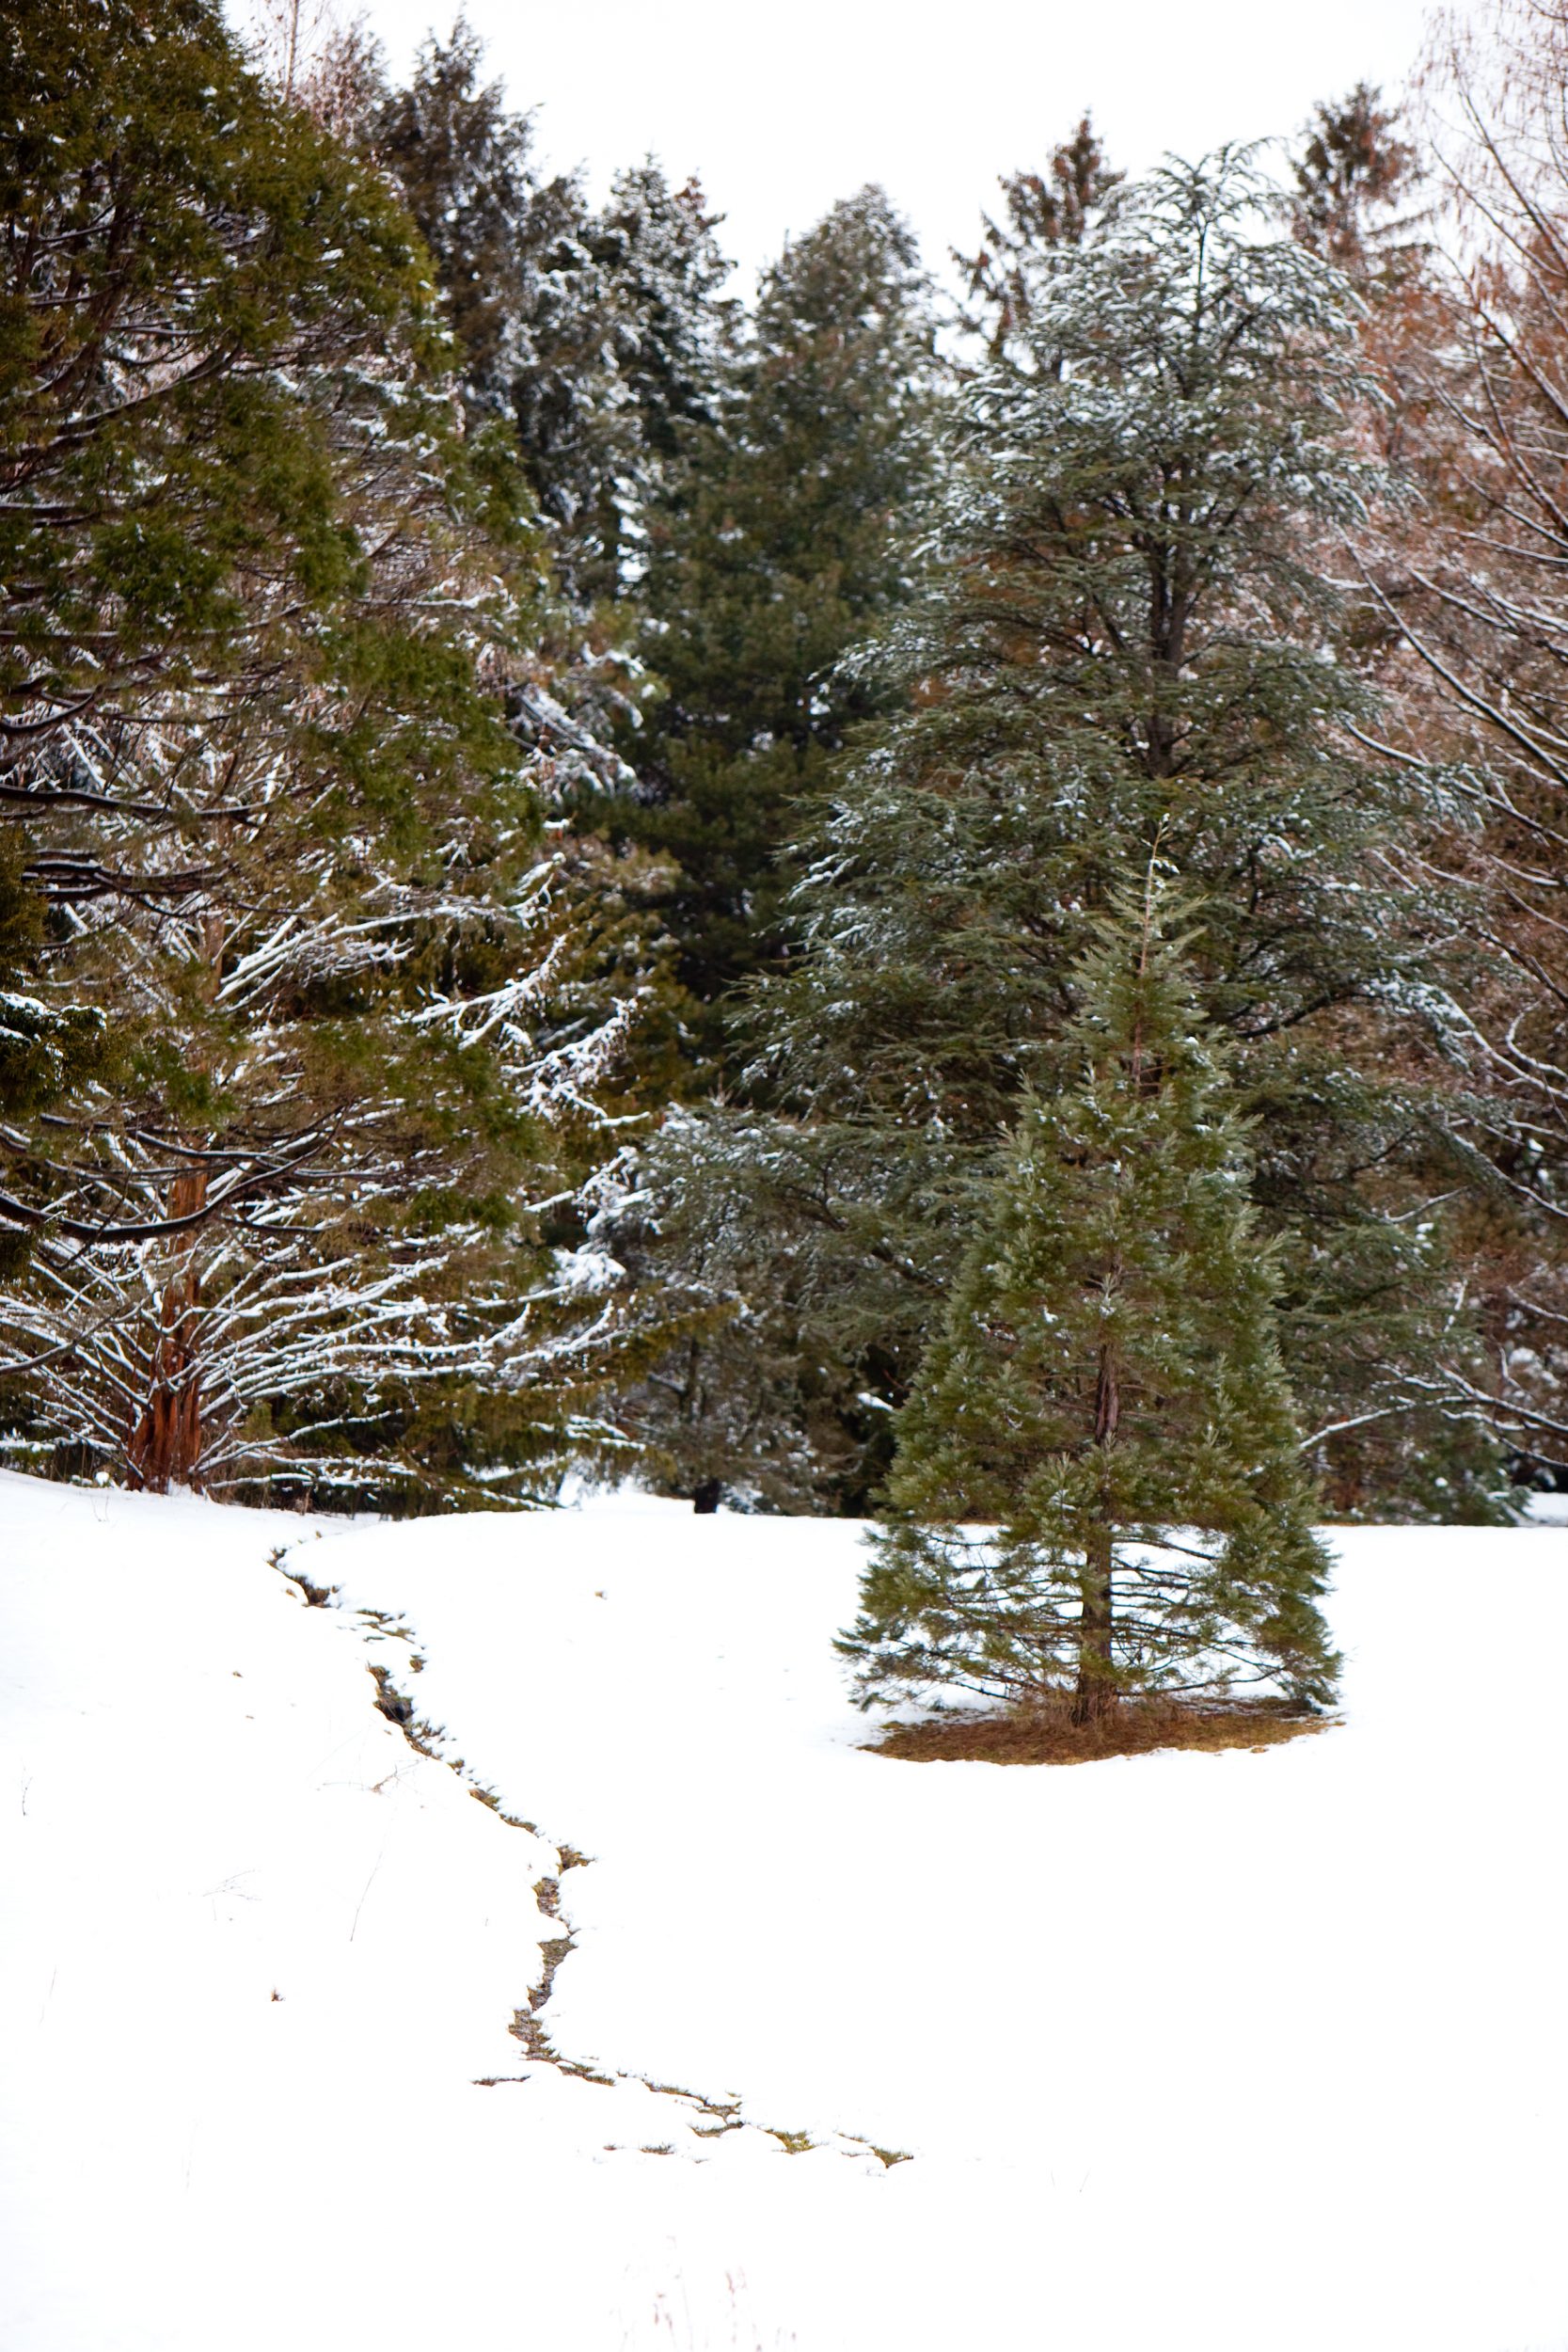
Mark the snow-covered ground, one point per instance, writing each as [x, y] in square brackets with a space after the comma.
[1247, 2052]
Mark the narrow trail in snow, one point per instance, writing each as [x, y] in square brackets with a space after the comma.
[528, 2024]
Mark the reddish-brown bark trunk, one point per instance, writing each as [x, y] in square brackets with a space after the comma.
[165, 1448]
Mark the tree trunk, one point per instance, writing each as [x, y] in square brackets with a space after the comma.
[165, 1447]
[1095, 1692]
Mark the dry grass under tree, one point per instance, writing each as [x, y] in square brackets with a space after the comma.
[1046, 1734]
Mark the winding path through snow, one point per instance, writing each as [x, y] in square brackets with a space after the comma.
[1177, 2041]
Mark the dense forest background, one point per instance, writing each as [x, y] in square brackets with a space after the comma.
[552, 819]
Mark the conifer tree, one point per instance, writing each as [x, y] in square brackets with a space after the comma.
[776, 547]
[263, 708]
[1042, 211]
[595, 333]
[1351, 174]
[1106, 1388]
[676, 336]
[181, 257]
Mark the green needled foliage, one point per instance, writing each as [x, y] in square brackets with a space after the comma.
[596, 331]
[776, 546]
[46, 1047]
[292, 803]
[1129, 617]
[1106, 1388]
[185, 262]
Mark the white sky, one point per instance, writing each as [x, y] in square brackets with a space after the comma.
[783, 109]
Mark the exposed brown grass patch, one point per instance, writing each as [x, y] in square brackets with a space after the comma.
[1046, 1734]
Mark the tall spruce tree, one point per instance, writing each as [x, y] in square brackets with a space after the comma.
[594, 332]
[1130, 618]
[1042, 210]
[777, 547]
[1353, 176]
[1106, 1387]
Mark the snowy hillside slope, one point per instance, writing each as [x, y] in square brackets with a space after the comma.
[1245, 2051]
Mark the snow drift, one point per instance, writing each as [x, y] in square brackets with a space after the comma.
[1239, 2051]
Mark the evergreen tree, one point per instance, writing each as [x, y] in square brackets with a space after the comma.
[1042, 211]
[181, 254]
[1130, 619]
[675, 330]
[527, 305]
[1106, 1387]
[776, 547]
[320, 1211]
[595, 333]
[1352, 172]
[463, 165]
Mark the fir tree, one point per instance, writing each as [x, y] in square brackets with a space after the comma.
[1106, 1387]
[1351, 173]
[675, 330]
[776, 547]
[1042, 211]
[595, 333]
